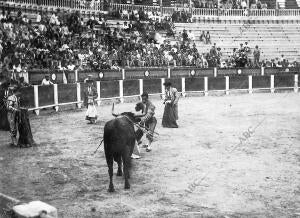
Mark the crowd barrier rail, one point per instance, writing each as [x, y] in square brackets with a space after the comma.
[97, 6]
[37, 97]
[68, 76]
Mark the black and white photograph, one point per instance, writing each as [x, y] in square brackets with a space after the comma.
[149, 108]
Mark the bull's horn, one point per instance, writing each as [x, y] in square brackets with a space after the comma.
[113, 110]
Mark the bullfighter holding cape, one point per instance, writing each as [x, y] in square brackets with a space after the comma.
[18, 120]
[90, 98]
[171, 106]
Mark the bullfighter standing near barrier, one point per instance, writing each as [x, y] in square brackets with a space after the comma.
[13, 107]
[147, 119]
[171, 106]
[89, 100]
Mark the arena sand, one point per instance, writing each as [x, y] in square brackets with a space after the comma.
[233, 156]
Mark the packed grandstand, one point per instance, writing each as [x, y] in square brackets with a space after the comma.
[129, 37]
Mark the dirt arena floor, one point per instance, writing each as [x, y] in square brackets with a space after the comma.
[233, 156]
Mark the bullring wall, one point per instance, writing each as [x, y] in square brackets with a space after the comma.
[131, 83]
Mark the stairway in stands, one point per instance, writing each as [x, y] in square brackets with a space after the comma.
[270, 3]
[291, 4]
[274, 40]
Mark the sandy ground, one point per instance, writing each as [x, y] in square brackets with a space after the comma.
[233, 156]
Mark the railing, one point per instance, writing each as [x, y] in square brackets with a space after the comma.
[70, 4]
[165, 11]
[38, 97]
[64, 76]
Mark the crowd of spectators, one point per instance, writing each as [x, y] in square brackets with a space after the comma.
[67, 41]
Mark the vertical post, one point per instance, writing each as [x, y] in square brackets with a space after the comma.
[296, 83]
[36, 99]
[98, 92]
[76, 76]
[272, 84]
[206, 86]
[250, 89]
[215, 72]
[141, 86]
[162, 86]
[123, 73]
[227, 85]
[121, 91]
[55, 97]
[169, 72]
[262, 70]
[78, 95]
[183, 86]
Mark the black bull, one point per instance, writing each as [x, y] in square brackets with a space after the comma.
[119, 140]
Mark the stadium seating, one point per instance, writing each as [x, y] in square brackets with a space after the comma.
[274, 40]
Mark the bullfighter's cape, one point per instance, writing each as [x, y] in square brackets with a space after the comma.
[4, 125]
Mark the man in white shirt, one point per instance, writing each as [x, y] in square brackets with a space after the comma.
[46, 81]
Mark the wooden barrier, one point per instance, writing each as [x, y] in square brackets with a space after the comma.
[239, 82]
[216, 84]
[284, 81]
[191, 72]
[261, 82]
[38, 97]
[46, 96]
[67, 93]
[131, 87]
[194, 84]
[143, 73]
[109, 89]
[152, 86]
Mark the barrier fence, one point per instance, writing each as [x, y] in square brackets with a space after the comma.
[97, 6]
[38, 97]
[67, 76]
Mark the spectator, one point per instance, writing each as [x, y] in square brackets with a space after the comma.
[256, 54]
[191, 35]
[202, 36]
[46, 81]
[207, 38]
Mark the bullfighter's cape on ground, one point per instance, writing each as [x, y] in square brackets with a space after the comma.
[169, 117]
[25, 138]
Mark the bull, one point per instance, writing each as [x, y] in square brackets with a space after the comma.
[119, 140]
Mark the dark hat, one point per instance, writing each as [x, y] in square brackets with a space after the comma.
[167, 84]
[89, 81]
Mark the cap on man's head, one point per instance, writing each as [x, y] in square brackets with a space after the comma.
[167, 84]
[89, 81]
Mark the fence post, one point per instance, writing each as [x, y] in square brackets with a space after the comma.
[141, 83]
[98, 92]
[215, 72]
[272, 84]
[262, 70]
[183, 86]
[206, 86]
[163, 90]
[227, 85]
[123, 73]
[169, 72]
[36, 99]
[76, 76]
[296, 83]
[121, 91]
[250, 89]
[55, 97]
[78, 95]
